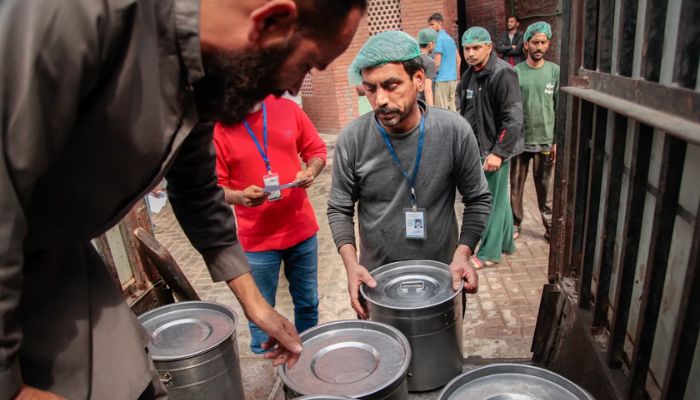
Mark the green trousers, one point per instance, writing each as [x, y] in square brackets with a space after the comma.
[498, 235]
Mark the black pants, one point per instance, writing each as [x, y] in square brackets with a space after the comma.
[543, 174]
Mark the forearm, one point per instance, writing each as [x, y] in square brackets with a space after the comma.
[462, 252]
[348, 253]
[437, 60]
[476, 213]
[247, 293]
[233, 197]
[315, 165]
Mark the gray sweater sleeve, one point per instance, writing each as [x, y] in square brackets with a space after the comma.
[473, 187]
[344, 193]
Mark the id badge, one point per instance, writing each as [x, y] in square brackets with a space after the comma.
[273, 179]
[415, 223]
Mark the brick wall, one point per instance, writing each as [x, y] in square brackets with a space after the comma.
[488, 14]
[542, 10]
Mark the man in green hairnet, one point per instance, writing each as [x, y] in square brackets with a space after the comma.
[426, 40]
[401, 165]
[490, 102]
[539, 85]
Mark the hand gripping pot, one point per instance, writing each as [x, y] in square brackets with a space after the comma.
[416, 297]
[194, 348]
[358, 359]
[512, 382]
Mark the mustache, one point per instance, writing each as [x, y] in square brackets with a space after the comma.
[386, 110]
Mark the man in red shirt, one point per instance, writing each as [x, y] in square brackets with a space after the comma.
[255, 160]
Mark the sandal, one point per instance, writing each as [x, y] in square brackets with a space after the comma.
[516, 232]
[478, 264]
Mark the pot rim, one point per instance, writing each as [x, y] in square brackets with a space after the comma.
[192, 305]
[413, 308]
[396, 334]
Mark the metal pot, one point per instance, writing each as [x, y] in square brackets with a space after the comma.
[512, 382]
[323, 397]
[417, 298]
[194, 348]
[358, 359]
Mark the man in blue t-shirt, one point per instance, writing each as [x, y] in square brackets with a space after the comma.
[447, 65]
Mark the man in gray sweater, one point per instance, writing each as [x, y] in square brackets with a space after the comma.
[401, 164]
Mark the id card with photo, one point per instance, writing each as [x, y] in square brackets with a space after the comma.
[415, 223]
[273, 179]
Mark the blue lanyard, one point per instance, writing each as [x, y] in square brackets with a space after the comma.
[411, 180]
[262, 152]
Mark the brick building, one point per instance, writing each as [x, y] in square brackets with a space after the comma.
[331, 103]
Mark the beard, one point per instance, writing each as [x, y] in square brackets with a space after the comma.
[536, 56]
[234, 83]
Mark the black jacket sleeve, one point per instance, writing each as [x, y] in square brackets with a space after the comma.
[505, 90]
[503, 46]
[200, 207]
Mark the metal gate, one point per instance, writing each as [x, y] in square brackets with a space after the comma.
[627, 207]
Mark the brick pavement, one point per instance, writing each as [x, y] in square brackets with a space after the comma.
[499, 322]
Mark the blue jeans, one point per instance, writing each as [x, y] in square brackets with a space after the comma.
[300, 267]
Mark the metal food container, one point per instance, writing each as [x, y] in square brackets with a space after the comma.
[323, 397]
[355, 358]
[417, 298]
[194, 348]
[512, 382]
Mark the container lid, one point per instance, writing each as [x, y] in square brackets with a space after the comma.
[352, 358]
[187, 329]
[323, 397]
[512, 382]
[410, 285]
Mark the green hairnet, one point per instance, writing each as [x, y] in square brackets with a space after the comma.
[427, 36]
[380, 49]
[474, 35]
[538, 27]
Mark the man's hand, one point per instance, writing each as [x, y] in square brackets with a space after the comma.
[282, 333]
[30, 393]
[357, 275]
[284, 339]
[305, 178]
[252, 196]
[492, 163]
[461, 269]
[554, 152]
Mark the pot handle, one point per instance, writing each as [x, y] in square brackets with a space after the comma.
[417, 286]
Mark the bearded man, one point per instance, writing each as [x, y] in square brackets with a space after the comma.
[99, 101]
[402, 164]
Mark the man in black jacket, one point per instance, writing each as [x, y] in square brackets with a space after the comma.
[490, 98]
[510, 45]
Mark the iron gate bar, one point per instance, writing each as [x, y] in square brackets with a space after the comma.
[610, 219]
[671, 172]
[606, 14]
[685, 337]
[681, 128]
[642, 138]
[653, 39]
[675, 101]
[628, 27]
[590, 34]
[594, 185]
[581, 180]
[687, 55]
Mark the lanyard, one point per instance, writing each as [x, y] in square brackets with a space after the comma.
[262, 152]
[411, 180]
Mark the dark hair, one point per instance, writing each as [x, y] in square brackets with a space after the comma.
[517, 19]
[424, 45]
[324, 16]
[436, 17]
[413, 65]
